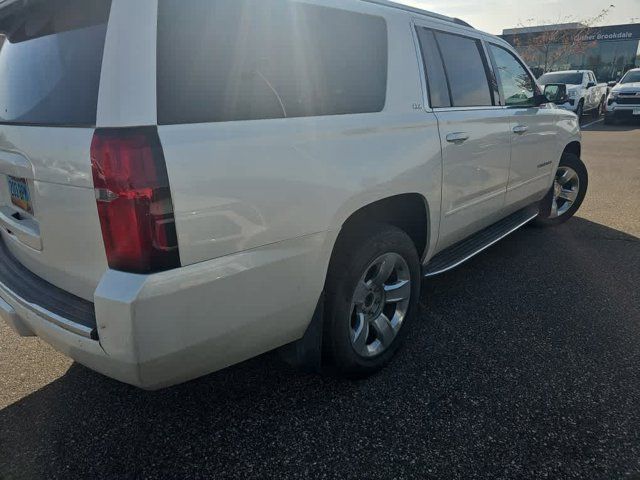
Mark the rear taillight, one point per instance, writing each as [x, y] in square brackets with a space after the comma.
[134, 200]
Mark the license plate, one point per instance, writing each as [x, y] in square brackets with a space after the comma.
[636, 111]
[20, 196]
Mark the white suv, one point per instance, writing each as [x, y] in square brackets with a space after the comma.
[185, 184]
[624, 98]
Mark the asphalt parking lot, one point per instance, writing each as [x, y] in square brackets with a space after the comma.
[525, 364]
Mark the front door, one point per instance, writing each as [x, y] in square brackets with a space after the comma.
[533, 130]
[592, 92]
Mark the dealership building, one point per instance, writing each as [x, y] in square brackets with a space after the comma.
[609, 51]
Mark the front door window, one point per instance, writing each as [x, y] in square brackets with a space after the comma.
[517, 85]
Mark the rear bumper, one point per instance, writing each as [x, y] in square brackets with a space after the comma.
[22, 288]
[158, 330]
[27, 322]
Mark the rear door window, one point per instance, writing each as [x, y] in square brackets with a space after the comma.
[227, 60]
[50, 63]
[434, 70]
[466, 70]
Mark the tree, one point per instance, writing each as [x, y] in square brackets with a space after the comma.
[554, 46]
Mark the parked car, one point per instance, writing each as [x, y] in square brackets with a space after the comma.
[247, 178]
[624, 98]
[585, 94]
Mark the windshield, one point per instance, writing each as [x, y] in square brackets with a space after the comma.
[566, 78]
[631, 77]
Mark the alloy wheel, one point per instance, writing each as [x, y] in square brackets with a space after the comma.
[379, 306]
[566, 188]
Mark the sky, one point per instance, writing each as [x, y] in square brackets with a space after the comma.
[495, 15]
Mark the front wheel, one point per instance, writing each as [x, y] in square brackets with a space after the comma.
[596, 112]
[567, 193]
[603, 105]
[372, 295]
[580, 109]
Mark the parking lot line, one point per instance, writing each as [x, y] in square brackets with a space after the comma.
[592, 123]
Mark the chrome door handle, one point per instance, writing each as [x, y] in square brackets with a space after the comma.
[520, 129]
[457, 137]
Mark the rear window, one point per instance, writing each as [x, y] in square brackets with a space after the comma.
[50, 63]
[567, 78]
[226, 60]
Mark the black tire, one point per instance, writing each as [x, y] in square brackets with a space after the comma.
[546, 219]
[609, 120]
[580, 109]
[354, 254]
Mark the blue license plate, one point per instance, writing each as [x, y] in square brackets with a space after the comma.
[20, 196]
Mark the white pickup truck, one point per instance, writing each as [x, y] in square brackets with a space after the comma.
[584, 92]
[624, 98]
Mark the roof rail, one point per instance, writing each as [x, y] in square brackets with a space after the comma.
[408, 8]
[461, 22]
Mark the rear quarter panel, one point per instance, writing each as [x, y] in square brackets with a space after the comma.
[240, 185]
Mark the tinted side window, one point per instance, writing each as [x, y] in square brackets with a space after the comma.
[50, 63]
[466, 70]
[517, 85]
[225, 60]
[434, 70]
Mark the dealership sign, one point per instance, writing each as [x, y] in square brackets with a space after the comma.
[590, 37]
[595, 34]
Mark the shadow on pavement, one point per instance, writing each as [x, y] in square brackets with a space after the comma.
[525, 364]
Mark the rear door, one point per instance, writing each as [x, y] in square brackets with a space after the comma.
[50, 67]
[474, 132]
[533, 129]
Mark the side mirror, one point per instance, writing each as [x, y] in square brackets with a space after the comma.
[556, 93]
[540, 99]
[591, 84]
[612, 84]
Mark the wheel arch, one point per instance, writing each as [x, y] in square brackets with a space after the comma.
[409, 212]
[574, 147]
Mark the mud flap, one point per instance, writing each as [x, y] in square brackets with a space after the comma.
[306, 354]
[546, 203]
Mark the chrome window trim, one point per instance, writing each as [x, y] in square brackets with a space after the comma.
[424, 23]
[462, 109]
[426, 106]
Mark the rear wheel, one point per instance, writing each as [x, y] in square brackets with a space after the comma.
[372, 294]
[567, 193]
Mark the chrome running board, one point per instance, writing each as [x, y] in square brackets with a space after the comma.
[459, 253]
